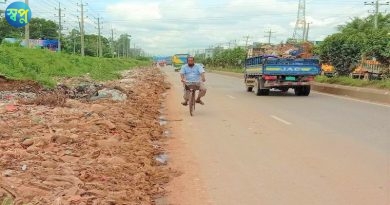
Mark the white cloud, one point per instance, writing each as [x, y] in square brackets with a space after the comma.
[135, 11]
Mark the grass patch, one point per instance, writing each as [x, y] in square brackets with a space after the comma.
[7, 201]
[342, 80]
[44, 66]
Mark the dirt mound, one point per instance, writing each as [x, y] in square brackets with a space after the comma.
[17, 85]
[87, 152]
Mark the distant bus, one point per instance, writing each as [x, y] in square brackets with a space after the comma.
[178, 60]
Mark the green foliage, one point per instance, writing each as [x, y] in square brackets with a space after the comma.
[356, 40]
[42, 28]
[39, 28]
[227, 69]
[45, 66]
[226, 58]
[8, 31]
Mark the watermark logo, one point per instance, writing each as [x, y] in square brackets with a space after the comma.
[18, 14]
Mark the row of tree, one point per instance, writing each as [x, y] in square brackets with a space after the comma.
[225, 58]
[71, 42]
[355, 41]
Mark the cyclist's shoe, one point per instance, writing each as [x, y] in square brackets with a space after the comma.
[199, 101]
[185, 103]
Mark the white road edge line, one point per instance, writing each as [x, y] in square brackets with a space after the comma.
[281, 120]
[352, 99]
[232, 97]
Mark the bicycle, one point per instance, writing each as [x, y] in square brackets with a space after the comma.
[192, 87]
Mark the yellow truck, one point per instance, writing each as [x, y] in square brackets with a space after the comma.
[328, 70]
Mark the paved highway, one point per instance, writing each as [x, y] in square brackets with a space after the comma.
[282, 149]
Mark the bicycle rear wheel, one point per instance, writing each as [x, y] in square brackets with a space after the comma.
[192, 102]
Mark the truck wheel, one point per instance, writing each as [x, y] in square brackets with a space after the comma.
[283, 89]
[298, 91]
[305, 90]
[302, 91]
[264, 91]
[259, 87]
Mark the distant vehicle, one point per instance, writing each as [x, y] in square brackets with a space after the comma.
[328, 70]
[168, 60]
[263, 73]
[178, 60]
[370, 70]
[162, 63]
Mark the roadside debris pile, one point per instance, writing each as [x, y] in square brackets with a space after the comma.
[97, 150]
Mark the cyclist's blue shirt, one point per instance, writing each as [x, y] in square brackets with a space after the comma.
[192, 74]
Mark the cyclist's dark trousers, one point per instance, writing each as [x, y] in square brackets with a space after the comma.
[202, 92]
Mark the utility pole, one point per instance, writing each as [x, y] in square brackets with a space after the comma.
[112, 42]
[99, 45]
[27, 30]
[307, 31]
[246, 41]
[135, 51]
[128, 44]
[269, 35]
[376, 4]
[82, 27]
[59, 25]
[74, 42]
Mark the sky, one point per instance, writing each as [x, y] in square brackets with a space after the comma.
[165, 27]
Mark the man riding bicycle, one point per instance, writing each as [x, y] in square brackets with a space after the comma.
[192, 72]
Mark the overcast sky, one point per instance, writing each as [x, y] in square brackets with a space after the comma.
[165, 27]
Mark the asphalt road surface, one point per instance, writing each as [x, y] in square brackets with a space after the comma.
[282, 149]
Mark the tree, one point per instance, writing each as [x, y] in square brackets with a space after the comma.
[8, 31]
[43, 29]
[71, 42]
[356, 40]
[123, 45]
[227, 58]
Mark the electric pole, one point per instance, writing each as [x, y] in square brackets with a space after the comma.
[112, 42]
[246, 41]
[376, 4]
[59, 25]
[270, 32]
[82, 27]
[27, 31]
[307, 31]
[99, 46]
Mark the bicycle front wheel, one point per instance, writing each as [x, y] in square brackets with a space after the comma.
[192, 102]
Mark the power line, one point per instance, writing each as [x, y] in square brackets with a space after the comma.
[376, 4]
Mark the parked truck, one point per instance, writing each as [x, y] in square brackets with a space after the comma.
[265, 72]
[370, 70]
